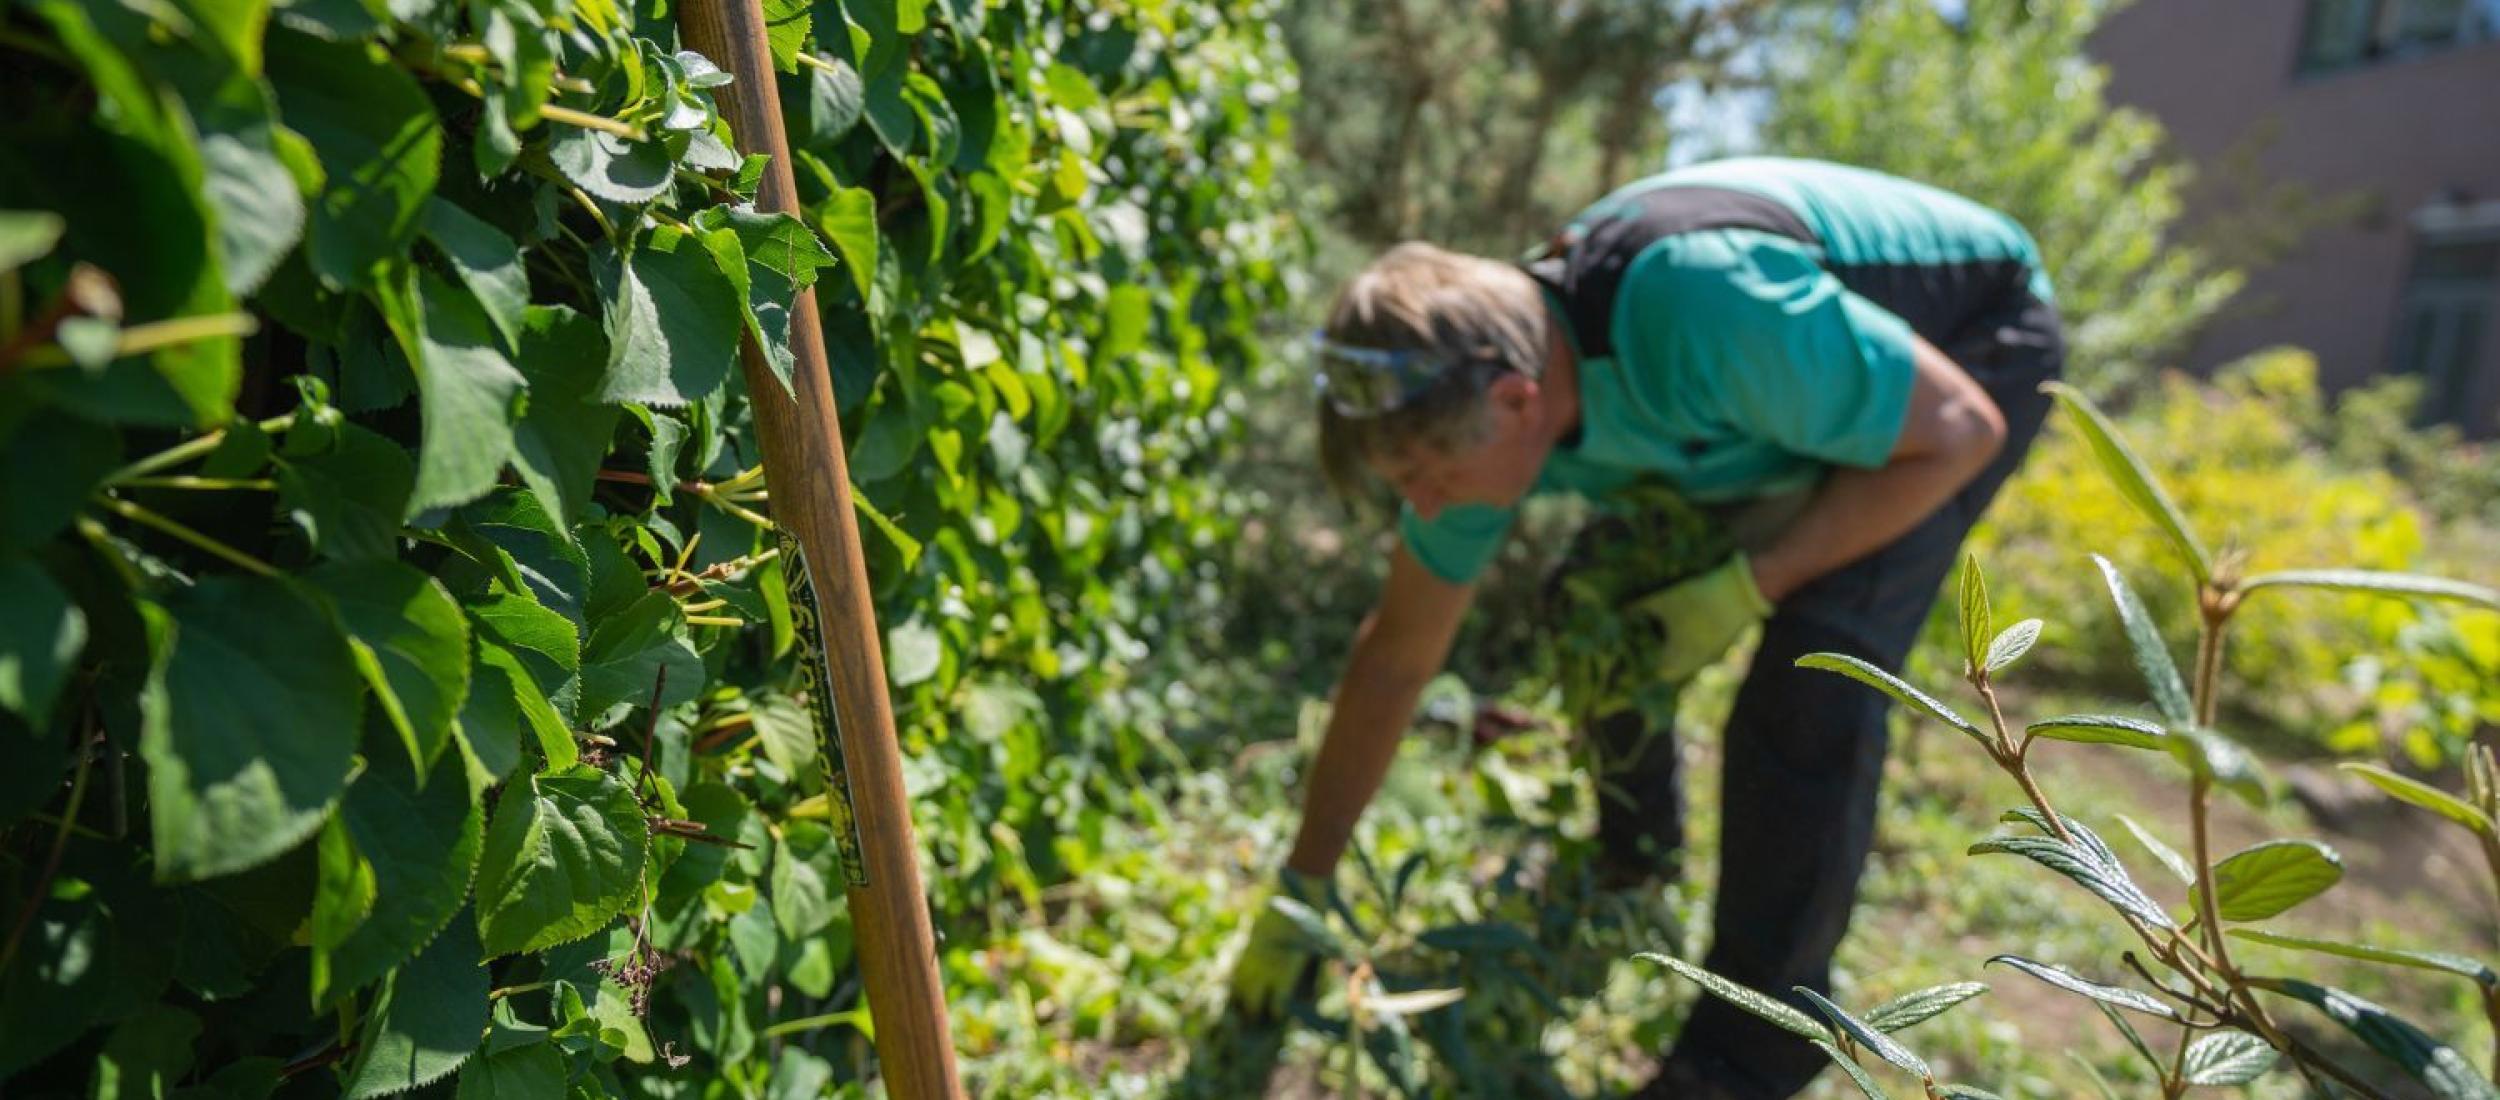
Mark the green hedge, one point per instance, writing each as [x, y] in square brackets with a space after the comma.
[381, 528]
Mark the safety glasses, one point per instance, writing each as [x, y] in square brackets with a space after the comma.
[1363, 382]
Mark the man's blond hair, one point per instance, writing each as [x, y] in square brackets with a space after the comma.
[1485, 316]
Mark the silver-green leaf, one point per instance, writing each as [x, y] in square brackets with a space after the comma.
[2105, 879]
[1881, 1045]
[2010, 644]
[2101, 729]
[1856, 1073]
[2168, 856]
[2152, 656]
[1894, 686]
[2073, 983]
[1920, 1006]
[2228, 1058]
[2449, 1073]
[2418, 793]
[1786, 1018]
[2475, 969]
[2376, 583]
[2128, 475]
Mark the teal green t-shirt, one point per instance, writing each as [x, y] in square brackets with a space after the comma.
[1741, 365]
[1864, 217]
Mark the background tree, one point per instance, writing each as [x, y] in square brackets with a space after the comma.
[2004, 105]
[1480, 125]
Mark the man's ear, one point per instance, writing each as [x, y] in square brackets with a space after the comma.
[1513, 391]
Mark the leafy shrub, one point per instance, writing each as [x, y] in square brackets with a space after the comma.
[2226, 1033]
[390, 587]
[1604, 649]
[2262, 460]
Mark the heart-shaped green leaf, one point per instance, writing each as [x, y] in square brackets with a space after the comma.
[424, 1023]
[251, 737]
[2266, 879]
[422, 843]
[563, 856]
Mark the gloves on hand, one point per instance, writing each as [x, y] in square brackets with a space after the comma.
[1276, 959]
[1704, 615]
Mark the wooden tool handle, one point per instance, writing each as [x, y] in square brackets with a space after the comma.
[811, 502]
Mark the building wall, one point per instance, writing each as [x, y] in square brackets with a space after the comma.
[2406, 133]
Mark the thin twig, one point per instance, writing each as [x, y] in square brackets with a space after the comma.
[155, 336]
[651, 730]
[189, 449]
[51, 862]
[147, 518]
[325, 1056]
[728, 728]
[260, 484]
[588, 121]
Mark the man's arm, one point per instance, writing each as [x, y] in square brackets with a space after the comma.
[1950, 433]
[1398, 649]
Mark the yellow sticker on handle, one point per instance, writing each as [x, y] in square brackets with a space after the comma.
[817, 679]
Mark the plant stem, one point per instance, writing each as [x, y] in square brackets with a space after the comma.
[142, 516]
[187, 450]
[812, 1023]
[2015, 759]
[51, 862]
[36, 46]
[12, 306]
[155, 336]
[2491, 1016]
[2209, 666]
[2020, 766]
[735, 509]
[332, 1053]
[2208, 908]
[2310, 1061]
[588, 121]
[184, 482]
[596, 215]
[175, 455]
[711, 737]
[2491, 860]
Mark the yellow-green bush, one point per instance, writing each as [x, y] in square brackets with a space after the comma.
[2253, 459]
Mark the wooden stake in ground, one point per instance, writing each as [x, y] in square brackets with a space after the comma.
[811, 503]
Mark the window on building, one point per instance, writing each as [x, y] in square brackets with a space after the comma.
[2445, 320]
[2344, 33]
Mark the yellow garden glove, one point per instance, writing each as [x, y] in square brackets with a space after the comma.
[1278, 955]
[1704, 615]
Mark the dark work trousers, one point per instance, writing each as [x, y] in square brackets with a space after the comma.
[1804, 750]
